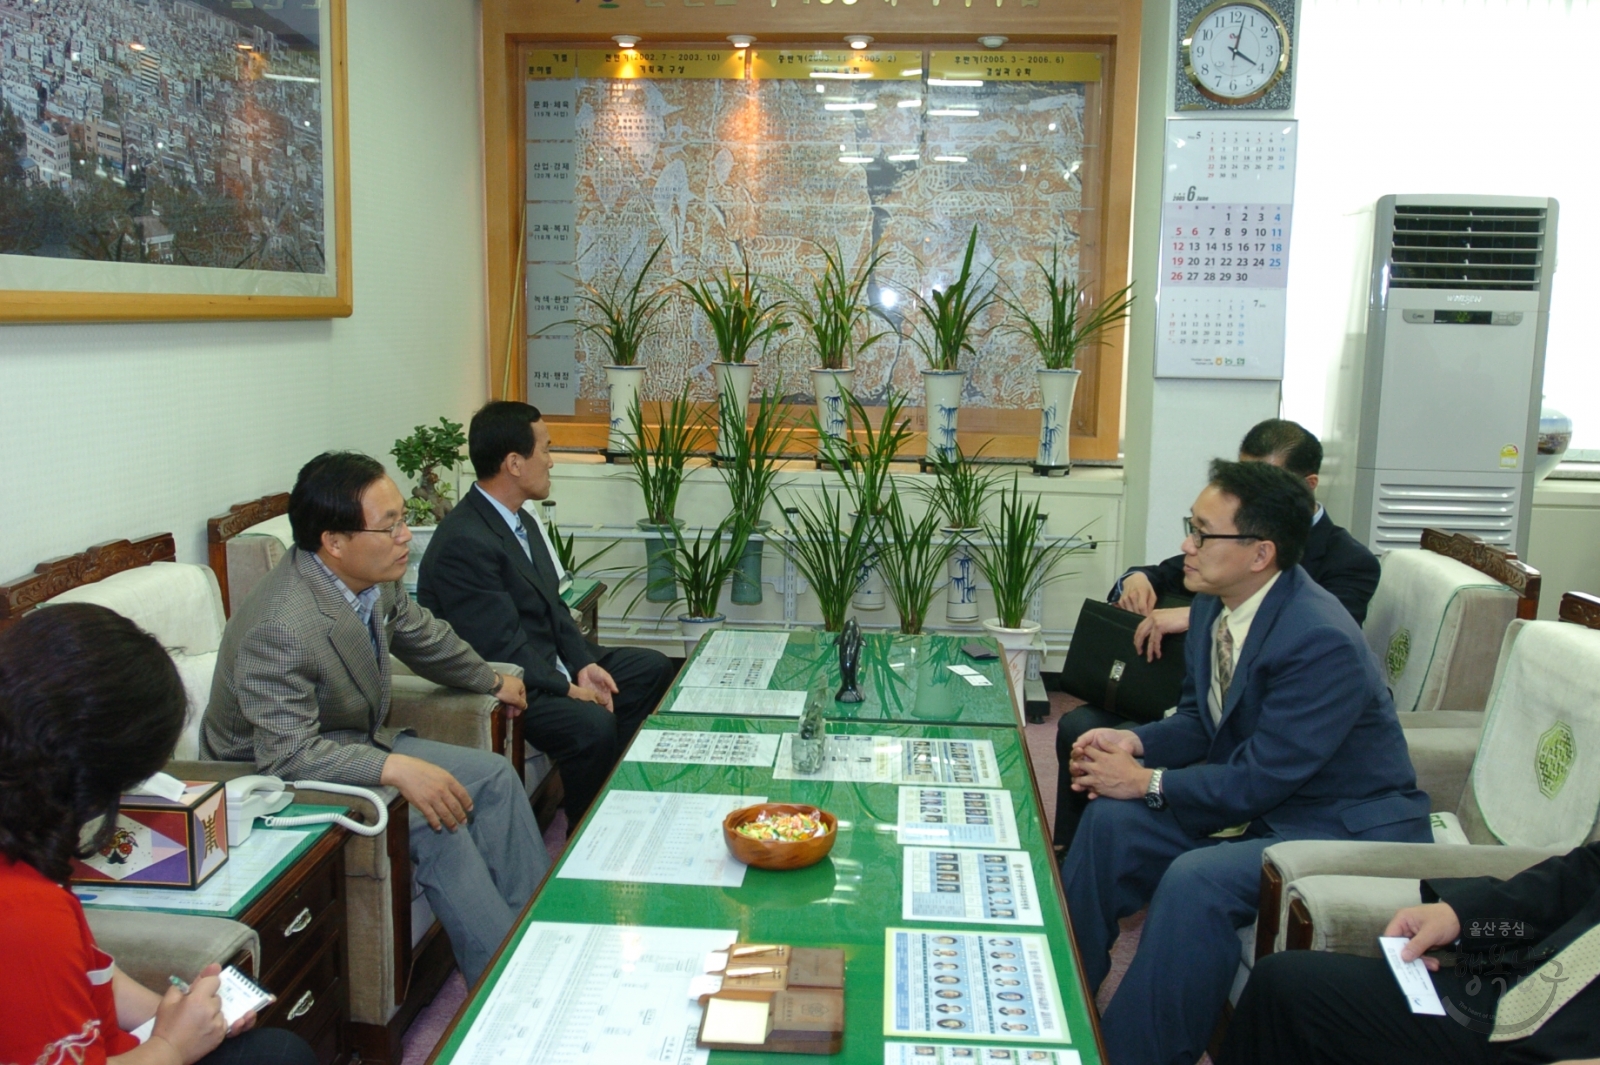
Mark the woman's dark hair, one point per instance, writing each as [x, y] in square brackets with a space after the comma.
[497, 430]
[327, 496]
[90, 705]
[1274, 504]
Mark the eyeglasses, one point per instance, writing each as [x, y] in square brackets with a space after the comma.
[392, 532]
[1200, 538]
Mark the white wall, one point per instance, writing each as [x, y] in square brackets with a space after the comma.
[115, 431]
[1487, 97]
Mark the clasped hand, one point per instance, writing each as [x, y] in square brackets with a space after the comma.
[1103, 764]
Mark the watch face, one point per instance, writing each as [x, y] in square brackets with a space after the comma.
[1235, 51]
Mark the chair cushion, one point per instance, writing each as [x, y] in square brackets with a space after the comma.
[1434, 624]
[153, 946]
[277, 528]
[177, 603]
[1537, 775]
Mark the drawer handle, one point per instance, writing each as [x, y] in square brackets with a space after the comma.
[301, 922]
[302, 1007]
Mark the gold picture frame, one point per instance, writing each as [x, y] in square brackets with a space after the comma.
[254, 168]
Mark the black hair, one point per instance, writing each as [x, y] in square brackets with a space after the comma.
[90, 705]
[1274, 504]
[327, 496]
[1289, 442]
[497, 430]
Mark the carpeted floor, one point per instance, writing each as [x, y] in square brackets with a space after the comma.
[430, 1024]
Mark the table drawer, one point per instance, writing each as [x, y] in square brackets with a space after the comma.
[304, 1006]
[293, 926]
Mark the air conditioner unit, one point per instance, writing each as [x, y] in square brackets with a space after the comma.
[1457, 316]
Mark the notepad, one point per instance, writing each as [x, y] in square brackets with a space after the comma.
[736, 1021]
[240, 995]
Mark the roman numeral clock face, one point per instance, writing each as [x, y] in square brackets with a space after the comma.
[1235, 51]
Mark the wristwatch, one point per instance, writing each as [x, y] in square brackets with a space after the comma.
[499, 682]
[1152, 794]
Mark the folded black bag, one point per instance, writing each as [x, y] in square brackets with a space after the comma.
[1104, 670]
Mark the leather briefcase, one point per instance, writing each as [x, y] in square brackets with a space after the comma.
[1104, 670]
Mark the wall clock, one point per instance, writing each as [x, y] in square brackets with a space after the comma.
[1235, 55]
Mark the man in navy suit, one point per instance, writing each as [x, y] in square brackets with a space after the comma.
[1284, 730]
[491, 573]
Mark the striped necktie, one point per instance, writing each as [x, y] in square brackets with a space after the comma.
[1549, 987]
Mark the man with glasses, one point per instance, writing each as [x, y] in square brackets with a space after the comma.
[1284, 730]
[1333, 558]
[302, 689]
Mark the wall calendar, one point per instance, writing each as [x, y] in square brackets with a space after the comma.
[1227, 201]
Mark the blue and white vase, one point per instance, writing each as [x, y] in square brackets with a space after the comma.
[961, 601]
[943, 391]
[734, 379]
[1555, 436]
[1056, 391]
[830, 387]
[622, 387]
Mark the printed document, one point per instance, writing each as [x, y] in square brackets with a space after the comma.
[658, 837]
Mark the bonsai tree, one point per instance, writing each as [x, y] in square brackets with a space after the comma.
[420, 455]
[1066, 322]
[948, 317]
[626, 313]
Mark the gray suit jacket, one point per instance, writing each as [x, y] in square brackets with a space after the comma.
[298, 688]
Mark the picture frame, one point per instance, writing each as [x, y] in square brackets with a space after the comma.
[185, 162]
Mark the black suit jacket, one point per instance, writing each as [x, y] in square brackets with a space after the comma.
[1334, 559]
[1555, 902]
[475, 576]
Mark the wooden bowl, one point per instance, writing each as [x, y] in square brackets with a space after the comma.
[776, 854]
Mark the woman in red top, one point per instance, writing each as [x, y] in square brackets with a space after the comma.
[89, 706]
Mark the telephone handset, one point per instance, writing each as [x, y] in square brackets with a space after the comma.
[263, 796]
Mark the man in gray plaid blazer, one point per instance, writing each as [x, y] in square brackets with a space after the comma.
[302, 689]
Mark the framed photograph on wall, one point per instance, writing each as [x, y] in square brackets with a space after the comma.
[173, 159]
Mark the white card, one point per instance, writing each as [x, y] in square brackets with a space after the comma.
[1413, 978]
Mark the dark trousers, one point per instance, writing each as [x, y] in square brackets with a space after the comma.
[1200, 892]
[262, 1046]
[585, 740]
[1071, 804]
[1305, 1007]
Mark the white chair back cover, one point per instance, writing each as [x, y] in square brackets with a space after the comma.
[1536, 778]
[1425, 613]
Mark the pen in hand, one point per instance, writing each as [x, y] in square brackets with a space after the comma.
[181, 985]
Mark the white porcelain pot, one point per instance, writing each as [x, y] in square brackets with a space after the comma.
[737, 377]
[870, 593]
[943, 391]
[623, 384]
[1056, 389]
[830, 386]
[421, 536]
[1015, 645]
[694, 629]
[961, 603]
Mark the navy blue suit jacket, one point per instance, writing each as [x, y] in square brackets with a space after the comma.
[1308, 742]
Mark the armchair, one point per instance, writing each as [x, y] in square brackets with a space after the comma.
[1435, 618]
[1531, 791]
[399, 956]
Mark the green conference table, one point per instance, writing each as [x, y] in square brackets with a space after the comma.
[847, 900]
[904, 679]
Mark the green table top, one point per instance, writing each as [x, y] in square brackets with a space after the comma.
[904, 678]
[578, 589]
[846, 901]
[200, 901]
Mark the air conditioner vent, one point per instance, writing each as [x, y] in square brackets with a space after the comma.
[1404, 510]
[1467, 247]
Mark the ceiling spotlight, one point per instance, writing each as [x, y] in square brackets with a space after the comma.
[994, 40]
[741, 40]
[858, 41]
[626, 40]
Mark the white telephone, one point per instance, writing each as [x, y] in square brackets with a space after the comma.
[263, 796]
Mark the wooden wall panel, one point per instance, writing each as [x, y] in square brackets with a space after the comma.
[508, 24]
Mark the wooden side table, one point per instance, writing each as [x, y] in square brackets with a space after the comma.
[301, 921]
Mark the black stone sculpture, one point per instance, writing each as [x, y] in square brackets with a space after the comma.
[849, 663]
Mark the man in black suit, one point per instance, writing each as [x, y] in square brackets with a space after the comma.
[1523, 987]
[1333, 558]
[491, 573]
